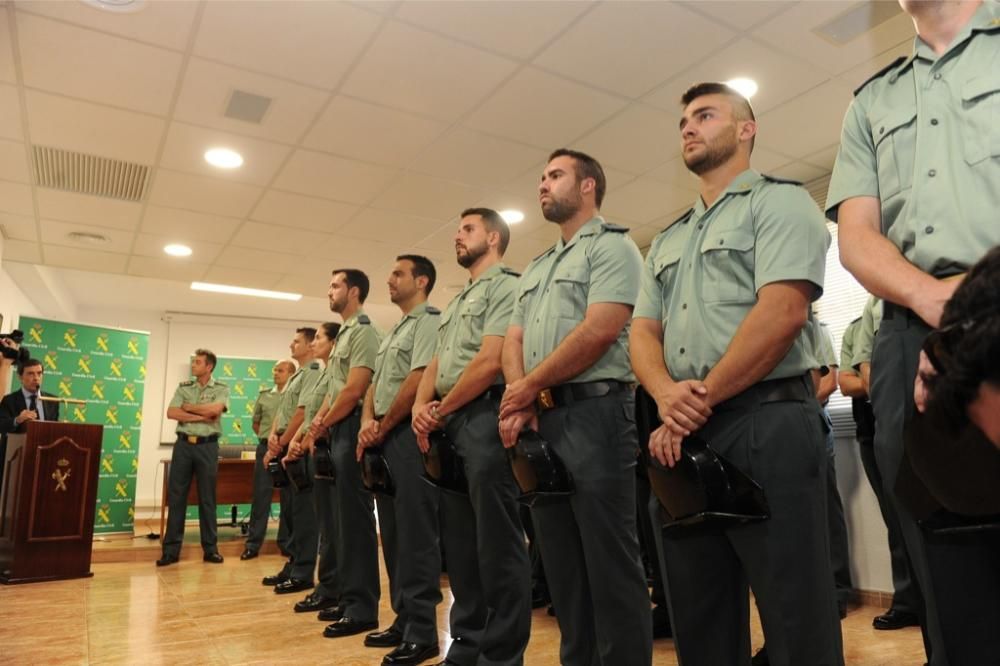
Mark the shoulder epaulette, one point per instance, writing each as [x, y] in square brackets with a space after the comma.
[433, 310]
[786, 181]
[265, 389]
[363, 319]
[880, 73]
[189, 382]
[221, 383]
[510, 271]
[683, 217]
[855, 321]
[617, 228]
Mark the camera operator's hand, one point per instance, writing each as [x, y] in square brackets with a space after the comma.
[25, 415]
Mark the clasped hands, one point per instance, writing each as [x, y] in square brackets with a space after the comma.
[683, 408]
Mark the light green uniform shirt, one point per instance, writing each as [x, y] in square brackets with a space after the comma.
[409, 346]
[821, 343]
[599, 264]
[266, 409]
[191, 392]
[356, 347]
[923, 136]
[864, 341]
[482, 308]
[847, 347]
[314, 383]
[703, 272]
[289, 400]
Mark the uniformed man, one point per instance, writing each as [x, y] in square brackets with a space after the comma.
[409, 520]
[718, 340]
[566, 362]
[488, 567]
[840, 556]
[320, 496]
[914, 190]
[264, 411]
[197, 406]
[295, 511]
[355, 542]
[905, 599]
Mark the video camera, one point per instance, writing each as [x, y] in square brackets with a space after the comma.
[16, 352]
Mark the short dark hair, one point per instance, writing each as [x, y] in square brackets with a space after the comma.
[29, 363]
[586, 167]
[973, 353]
[493, 222]
[209, 356]
[355, 278]
[741, 105]
[330, 329]
[308, 332]
[422, 267]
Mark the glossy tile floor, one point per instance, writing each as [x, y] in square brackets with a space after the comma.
[195, 613]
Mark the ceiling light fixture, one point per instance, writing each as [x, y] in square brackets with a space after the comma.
[512, 216]
[745, 87]
[224, 158]
[177, 250]
[245, 291]
[119, 6]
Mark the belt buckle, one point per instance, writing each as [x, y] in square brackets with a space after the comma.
[545, 400]
[191, 439]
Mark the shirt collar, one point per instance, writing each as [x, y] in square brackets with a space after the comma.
[986, 19]
[488, 274]
[589, 228]
[27, 394]
[742, 184]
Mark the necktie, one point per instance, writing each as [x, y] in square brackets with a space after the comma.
[33, 405]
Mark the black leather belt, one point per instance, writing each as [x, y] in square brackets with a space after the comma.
[262, 440]
[565, 395]
[194, 439]
[780, 390]
[892, 311]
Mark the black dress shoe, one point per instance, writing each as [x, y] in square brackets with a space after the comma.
[331, 614]
[276, 579]
[314, 602]
[293, 585]
[348, 626]
[213, 558]
[167, 560]
[894, 619]
[761, 658]
[410, 653]
[248, 554]
[388, 638]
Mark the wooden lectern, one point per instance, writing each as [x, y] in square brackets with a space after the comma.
[47, 502]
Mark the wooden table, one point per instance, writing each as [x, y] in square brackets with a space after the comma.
[233, 485]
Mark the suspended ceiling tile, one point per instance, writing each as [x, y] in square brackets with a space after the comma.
[185, 225]
[329, 177]
[203, 195]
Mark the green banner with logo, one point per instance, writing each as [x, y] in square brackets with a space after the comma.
[245, 378]
[106, 367]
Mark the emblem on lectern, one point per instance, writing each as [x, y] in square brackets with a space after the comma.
[61, 476]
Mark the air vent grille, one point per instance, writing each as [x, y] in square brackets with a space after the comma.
[89, 174]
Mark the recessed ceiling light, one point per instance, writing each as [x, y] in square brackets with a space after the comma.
[512, 216]
[120, 6]
[177, 250]
[745, 87]
[224, 158]
[245, 291]
[88, 238]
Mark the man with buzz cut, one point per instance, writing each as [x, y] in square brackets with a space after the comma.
[264, 411]
[409, 520]
[350, 370]
[719, 341]
[488, 567]
[197, 406]
[566, 362]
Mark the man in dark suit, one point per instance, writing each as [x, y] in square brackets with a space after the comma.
[25, 404]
